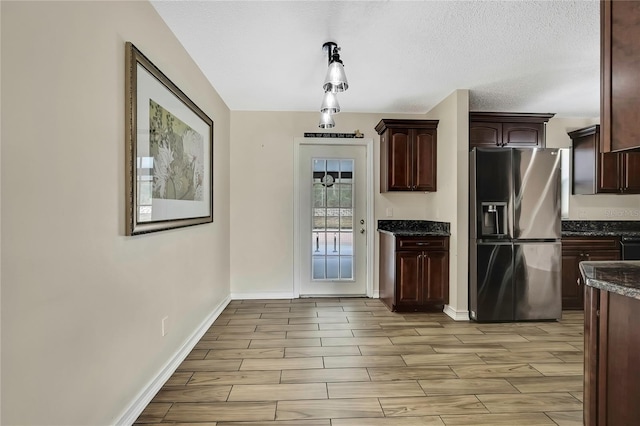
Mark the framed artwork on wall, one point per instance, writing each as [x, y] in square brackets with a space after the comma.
[169, 152]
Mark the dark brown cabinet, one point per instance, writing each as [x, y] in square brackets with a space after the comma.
[619, 70]
[576, 250]
[597, 172]
[611, 367]
[499, 129]
[408, 155]
[414, 272]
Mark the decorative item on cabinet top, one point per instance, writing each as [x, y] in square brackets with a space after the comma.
[408, 154]
[507, 129]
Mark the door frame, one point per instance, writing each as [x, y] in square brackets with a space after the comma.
[371, 227]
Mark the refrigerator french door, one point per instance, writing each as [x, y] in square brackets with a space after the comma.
[514, 248]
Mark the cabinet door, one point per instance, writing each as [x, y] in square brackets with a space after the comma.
[485, 135]
[528, 135]
[424, 160]
[609, 173]
[620, 36]
[630, 172]
[572, 288]
[591, 328]
[408, 278]
[435, 271]
[399, 158]
[585, 164]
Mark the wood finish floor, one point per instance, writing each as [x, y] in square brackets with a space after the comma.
[348, 362]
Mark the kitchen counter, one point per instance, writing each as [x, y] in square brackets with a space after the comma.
[601, 228]
[414, 228]
[620, 277]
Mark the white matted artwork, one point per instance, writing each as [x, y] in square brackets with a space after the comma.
[169, 152]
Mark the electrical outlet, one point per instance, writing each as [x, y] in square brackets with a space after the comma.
[165, 326]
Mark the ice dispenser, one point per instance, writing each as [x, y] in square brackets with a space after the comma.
[494, 219]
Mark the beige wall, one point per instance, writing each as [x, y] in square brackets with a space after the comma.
[82, 303]
[450, 203]
[262, 195]
[591, 207]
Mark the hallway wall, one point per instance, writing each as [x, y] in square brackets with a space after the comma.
[82, 303]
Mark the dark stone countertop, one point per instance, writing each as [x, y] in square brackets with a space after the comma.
[414, 228]
[601, 228]
[620, 277]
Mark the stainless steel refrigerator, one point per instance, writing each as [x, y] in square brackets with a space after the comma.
[515, 254]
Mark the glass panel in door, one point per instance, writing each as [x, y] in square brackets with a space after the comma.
[332, 232]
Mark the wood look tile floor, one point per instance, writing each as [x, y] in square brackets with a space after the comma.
[352, 362]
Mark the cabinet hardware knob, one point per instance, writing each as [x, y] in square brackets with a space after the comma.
[362, 230]
[578, 281]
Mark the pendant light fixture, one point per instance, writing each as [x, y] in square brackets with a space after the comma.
[336, 79]
[330, 103]
[326, 121]
[334, 82]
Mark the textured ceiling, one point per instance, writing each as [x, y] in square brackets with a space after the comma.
[399, 56]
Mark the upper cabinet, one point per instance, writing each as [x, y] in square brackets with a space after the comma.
[596, 172]
[619, 71]
[501, 129]
[408, 155]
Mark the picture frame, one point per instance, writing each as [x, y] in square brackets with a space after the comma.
[168, 153]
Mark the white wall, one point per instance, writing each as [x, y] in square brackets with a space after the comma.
[591, 207]
[450, 203]
[82, 303]
[262, 195]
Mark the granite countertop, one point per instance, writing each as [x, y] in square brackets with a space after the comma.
[601, 228]
[417, 228]
[621, 277]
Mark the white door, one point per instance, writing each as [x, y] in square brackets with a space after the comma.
[332, 218]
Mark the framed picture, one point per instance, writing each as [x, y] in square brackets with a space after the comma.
[169, 152]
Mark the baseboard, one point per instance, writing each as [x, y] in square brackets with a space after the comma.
[376, 294]
[146, 395]
[253, 296]
[456, 315]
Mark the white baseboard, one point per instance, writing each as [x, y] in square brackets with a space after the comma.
[253, 296]
[146, 395]
[283, 295]
[456, 315]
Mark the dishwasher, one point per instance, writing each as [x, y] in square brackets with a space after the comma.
[630, 248]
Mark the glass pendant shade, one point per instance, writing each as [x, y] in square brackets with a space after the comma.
[330, 103]
[326, 121]
[336, 79]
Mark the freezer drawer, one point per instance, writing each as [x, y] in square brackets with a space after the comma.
[492, 286]
[537, 281]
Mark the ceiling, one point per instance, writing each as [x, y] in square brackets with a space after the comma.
[399, 56]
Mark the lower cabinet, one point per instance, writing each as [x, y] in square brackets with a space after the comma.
[414, 272]
[611, 367]
[576, 250]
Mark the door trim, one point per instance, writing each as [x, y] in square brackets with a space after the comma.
[371, 227]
